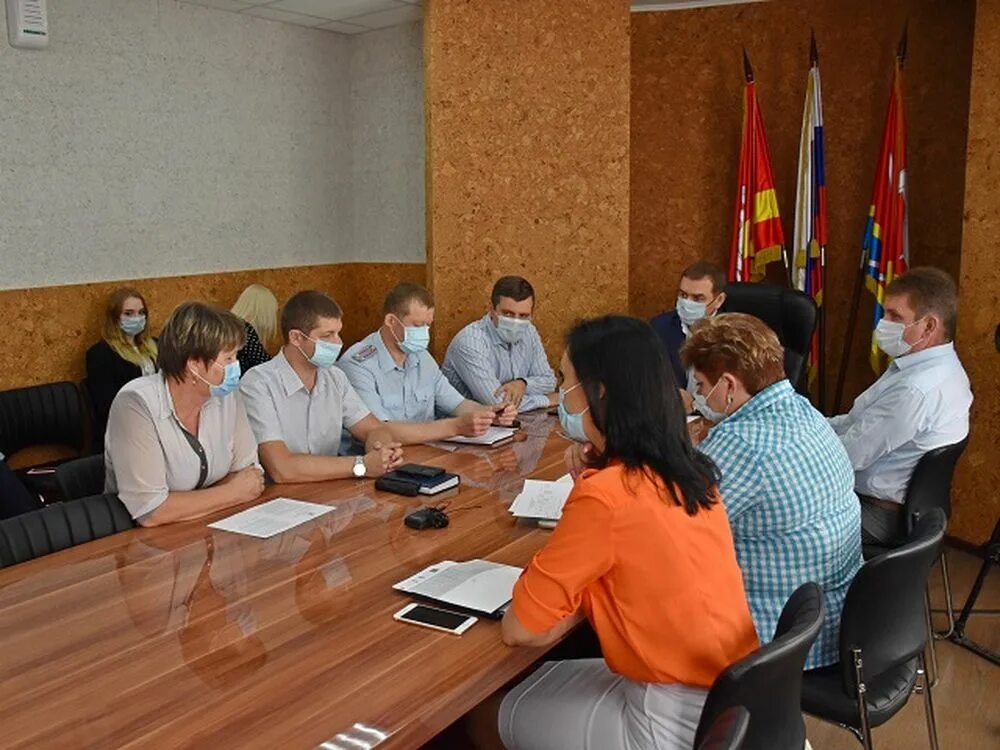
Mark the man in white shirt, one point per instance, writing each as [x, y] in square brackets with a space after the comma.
[499, 359]
[399, 381]
[921, 402]
[298, 403]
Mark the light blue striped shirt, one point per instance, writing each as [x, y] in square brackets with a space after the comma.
[921, 402]
[478, 362]
[788, 487]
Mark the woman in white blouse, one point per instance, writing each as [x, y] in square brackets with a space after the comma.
[178, 444]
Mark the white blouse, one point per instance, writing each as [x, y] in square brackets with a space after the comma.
[147, 455]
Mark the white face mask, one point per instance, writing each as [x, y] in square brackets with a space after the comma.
[511, 329]
[690, 312]
[702, 407]
[889, 337]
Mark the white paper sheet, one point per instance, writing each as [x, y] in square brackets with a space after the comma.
[478, 585]
[541, 499]
[491, 436]
[272, 517]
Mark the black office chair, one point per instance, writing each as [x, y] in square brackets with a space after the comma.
[57, 527]
[790, 313]
[727, 731]
[883, 634]
[51, 414]
[81, 477]
[768, 682]
[930, 487]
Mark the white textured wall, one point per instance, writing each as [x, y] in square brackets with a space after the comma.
[387, 126]
[154, 138]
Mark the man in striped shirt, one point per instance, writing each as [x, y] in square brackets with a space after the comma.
[500, 358]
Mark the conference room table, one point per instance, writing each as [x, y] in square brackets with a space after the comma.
[187, 636]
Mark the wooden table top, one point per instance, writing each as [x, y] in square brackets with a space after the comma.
[184, 636]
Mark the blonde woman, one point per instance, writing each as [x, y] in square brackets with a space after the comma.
[258, 308]
[126, 351]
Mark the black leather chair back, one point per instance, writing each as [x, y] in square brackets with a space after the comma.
[727, 731]
[884, 609]
[768, 682]
[57, 527]
[790, 313]
[930, 485]
[81, 477]
[51, 414]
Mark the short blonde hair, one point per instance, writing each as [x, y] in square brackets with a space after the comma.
[197, 330]
[258, 306]
[739, 344]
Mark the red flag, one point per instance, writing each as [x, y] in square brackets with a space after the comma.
[758, 237]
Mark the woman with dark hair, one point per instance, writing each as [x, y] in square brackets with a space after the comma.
[643, 552]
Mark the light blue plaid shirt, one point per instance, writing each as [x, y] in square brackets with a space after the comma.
[788, 487]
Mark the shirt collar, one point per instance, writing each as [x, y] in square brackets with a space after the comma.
[491, 330]
[287, 376]
[166, 401]
[927, 355]
[385, 361]
[766, 397]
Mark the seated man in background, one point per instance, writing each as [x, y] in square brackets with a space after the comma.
[787, 482]
[921, 402]
[299, 403]
[700, 294]
[399, 381]
[500, 358]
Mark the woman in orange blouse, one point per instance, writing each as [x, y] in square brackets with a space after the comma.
[643, 551]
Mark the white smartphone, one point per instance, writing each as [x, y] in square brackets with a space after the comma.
[436, 619]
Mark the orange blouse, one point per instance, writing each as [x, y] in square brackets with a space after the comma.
[662, 589]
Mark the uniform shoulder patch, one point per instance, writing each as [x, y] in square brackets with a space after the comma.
[365, 353]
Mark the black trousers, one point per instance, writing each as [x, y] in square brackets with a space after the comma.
[880, 524]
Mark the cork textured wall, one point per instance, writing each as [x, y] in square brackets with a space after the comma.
[976, 495]
[46, 331]
[527, 151]
[687, 87]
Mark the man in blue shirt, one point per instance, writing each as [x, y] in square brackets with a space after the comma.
[398, 379]
[921, 402]
[700, 294]
[500, 359]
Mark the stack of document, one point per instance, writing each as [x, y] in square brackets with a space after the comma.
[481, 586]
[542, 500]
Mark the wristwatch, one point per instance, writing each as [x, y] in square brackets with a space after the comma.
[359, 467]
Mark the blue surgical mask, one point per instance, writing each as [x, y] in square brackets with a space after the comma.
[416, 339]
[889, 337]
[689, 311]
[702, 407]
[230, 380]
[510, 330]
[572, 424]
[133, 324]
[325, 353]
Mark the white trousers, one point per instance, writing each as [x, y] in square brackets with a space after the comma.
[582, 705]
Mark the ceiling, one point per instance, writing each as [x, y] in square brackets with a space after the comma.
[339, 16]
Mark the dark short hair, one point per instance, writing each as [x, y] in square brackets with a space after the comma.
[303, 311]
[515, 287]
[402, 296]
[634, 402]
[929, 290]
[739, 344]
[197, 330]
[702, 269]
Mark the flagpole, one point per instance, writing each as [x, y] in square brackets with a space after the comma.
[821, 364]
[858, 283]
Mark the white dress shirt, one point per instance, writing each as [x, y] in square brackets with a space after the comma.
[921, 402]
[478, 362]
[281, 409]
[147, 456]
